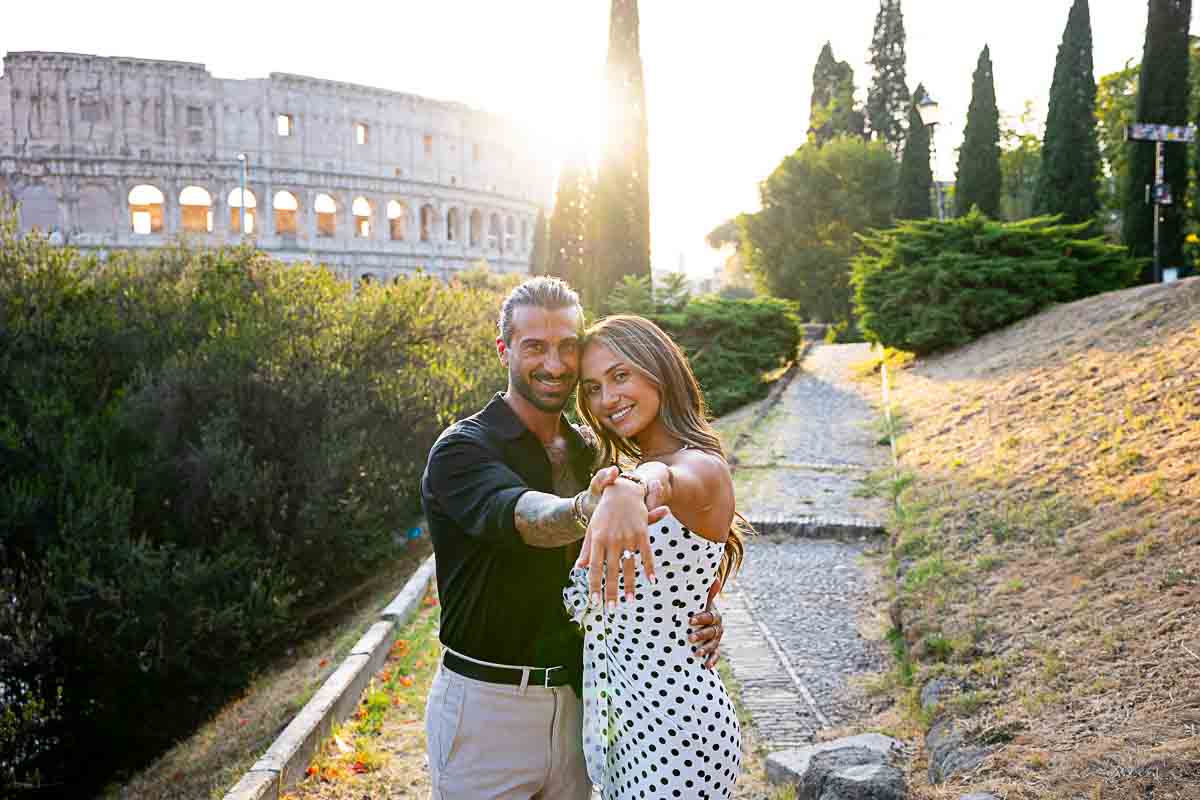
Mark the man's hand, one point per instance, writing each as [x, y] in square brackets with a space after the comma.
[620, 525]
[707, 630]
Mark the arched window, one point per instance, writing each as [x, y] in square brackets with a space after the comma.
[397, 218]
[235, 205]
[510, 234]
[146, 209]
[474, 227]
[96, 210]
[493, 240]
[287, 210]
[195, 210]
[361, 209]
[326, 215]
[453, 234]
[426, 223]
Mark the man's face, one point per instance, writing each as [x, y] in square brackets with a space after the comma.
[543, 356]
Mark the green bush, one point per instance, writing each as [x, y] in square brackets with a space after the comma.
[196, 449]
[928, 285]
[732, 344]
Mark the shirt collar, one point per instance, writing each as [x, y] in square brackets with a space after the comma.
[509, 426]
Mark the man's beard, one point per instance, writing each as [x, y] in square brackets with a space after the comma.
[526, 390]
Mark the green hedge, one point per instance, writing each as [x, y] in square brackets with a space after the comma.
[928, 285]
[732, 343]
[196, 447]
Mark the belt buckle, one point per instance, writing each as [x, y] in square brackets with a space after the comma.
[546, 676]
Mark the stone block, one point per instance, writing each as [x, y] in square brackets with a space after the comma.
[405, 605]
[789, 766]
[255, 785]
[376, 643]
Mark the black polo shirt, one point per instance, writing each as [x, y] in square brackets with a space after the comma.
[501, 600]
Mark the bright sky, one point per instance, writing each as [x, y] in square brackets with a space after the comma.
[727, 90]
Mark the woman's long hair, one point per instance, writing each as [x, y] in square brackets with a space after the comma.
[681, 409]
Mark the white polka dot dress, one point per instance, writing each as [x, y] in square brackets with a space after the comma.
[657, 724]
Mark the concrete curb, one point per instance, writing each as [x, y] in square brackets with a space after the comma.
[284, 762]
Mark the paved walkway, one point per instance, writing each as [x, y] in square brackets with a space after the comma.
[793, 612]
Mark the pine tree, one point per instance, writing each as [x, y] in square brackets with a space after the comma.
[570, 241]
[539, 258]
[916, 174]
[978, 181]
[1069, 181]
[621, 205]
[831, 109]
[1162, 98]
[888, 99]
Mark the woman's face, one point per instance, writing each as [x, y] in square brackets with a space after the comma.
[622, 399]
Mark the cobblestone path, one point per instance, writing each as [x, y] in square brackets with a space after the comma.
[792, 636]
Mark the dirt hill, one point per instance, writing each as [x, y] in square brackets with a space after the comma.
[1048, 550]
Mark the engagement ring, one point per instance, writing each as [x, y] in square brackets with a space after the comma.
[628, 554]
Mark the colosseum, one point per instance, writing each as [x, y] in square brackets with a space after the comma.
[118, 153]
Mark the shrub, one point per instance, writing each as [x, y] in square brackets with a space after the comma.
[733, 344]
[927, 285]
[196, 447]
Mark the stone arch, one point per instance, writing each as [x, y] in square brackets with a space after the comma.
[235, 205]
[286, 208]
[326, 209]
[146, 209]
[361, 209]
[397, 213]
[38, 209]
[510, 234]
[474, 227]
[195, 210]
[453, 225]
[525, 234]
[95, 210]
[427, 223]
[494, 239]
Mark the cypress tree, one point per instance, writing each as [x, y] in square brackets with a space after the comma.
[916, 174]
[888, 99]
[1162, 98]
[1069, 180]
[570, 243]
[977, 178]
[622, 200]
[539, 258]
[831, 108]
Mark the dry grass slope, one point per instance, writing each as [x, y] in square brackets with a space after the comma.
[1049, 546]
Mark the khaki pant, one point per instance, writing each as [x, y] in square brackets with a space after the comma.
[489, 741]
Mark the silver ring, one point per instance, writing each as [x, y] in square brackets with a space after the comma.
[628, 554]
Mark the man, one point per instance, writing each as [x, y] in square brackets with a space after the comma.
[507, 494]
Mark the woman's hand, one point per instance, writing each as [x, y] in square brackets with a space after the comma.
[620, 526]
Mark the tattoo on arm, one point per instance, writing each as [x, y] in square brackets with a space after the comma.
[544, 520]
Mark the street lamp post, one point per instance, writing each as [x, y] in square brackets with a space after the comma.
[931, 116]
[242, 197]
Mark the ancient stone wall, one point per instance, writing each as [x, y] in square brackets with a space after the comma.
[112, 153]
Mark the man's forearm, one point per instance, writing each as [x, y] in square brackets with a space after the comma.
[544, 520]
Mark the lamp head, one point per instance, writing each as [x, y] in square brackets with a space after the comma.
[930, 111]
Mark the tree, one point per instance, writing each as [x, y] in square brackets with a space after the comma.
[977, 181]
[622, 200]
[916, 175]
[570, 241]
[1116, 103]
[1069, 180]
[800, 244]
[831, 109]
[888, 98]
[1020, 164]
[1162, 98]
[539, 259]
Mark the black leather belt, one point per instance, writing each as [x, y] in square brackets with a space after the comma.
[538, 676]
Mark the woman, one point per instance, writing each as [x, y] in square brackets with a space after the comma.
[656, 722]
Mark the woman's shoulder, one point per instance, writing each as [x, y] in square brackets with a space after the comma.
[705, 464]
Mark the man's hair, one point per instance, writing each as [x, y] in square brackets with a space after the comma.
[542, 292]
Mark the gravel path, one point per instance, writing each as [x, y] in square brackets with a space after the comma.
[793, 612]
